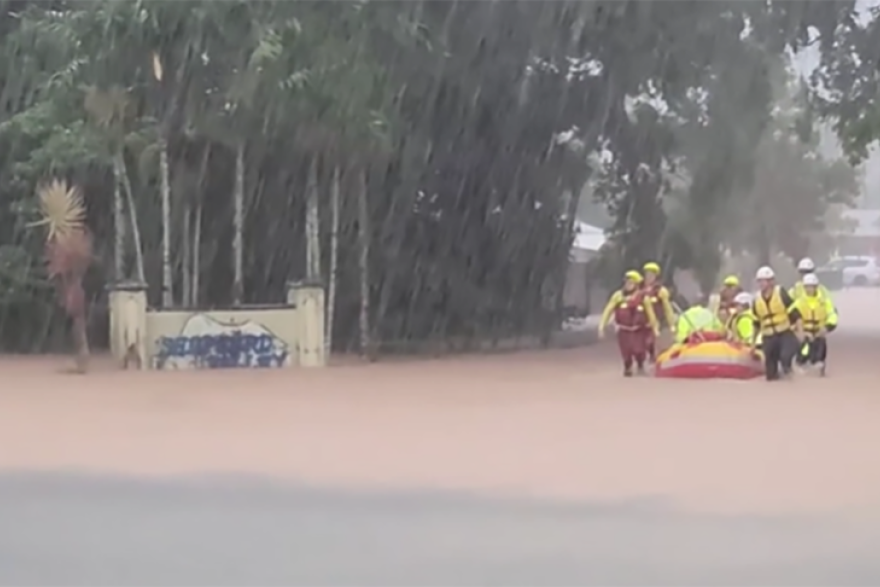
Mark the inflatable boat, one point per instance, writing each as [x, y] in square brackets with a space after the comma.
[709, 356]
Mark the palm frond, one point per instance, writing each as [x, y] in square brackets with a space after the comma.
[62, 209]
[108, 108]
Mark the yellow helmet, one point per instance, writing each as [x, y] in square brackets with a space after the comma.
[652, 267]
[731, 281]
[634, 276]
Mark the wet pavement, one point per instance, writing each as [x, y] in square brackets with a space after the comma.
[80, 530]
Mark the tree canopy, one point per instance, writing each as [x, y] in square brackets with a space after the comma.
[459, 136]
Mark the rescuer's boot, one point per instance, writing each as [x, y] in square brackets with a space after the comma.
[821, 365]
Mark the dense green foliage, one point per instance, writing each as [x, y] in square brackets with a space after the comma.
[453, 112]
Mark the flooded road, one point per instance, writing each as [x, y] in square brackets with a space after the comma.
[530, 468]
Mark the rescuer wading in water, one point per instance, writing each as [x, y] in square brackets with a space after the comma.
[635, 321]
[776, 320]
[819, 317]
[658, 297]
[807, 267]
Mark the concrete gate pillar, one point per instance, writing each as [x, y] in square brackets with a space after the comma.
[308, 298]
[128, 324]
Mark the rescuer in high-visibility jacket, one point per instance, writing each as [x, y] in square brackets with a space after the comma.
[777, 322]
[807, 267]
[818, 318]
[741, 324]
[723, 302]
[657, 295]
[698, 323]
[634, 319]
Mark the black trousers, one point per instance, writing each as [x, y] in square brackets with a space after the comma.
[817, 351]
[779, 350]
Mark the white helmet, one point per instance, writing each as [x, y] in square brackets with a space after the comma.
[811, 279]
[806, 264]
[743, 298]
[765, 272]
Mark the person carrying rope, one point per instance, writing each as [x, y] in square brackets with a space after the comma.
[635, 321]
[776, 321]
[741, 324]
[658, 297]
[806, 267]
[819, 317]
[723, 302]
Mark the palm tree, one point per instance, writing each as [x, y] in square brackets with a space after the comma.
[68, 253]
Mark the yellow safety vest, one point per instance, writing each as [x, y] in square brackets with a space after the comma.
[772, 314]
[816, 311]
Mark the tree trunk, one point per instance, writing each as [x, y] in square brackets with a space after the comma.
[186, 253]
[118, 228]
[81, 341]
[120, 170]
[73, 290]
[334, 260]
[313, 243]
[197, 256]
[364, 265]
[559, 279]
[238, 228]
[196, 246]
[167, 275]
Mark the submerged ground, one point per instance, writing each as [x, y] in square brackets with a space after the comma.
[530, 468]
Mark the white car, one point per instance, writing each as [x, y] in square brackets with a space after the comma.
[854, 270]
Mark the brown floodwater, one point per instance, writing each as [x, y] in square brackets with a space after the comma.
[559, 425]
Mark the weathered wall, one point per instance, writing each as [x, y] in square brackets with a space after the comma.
[247, 337]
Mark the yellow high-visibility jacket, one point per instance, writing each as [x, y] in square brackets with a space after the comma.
[661, 297]
[697, 319]
[817, 311]
[741, 327]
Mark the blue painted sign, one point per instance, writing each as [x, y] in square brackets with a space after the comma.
[205, 343]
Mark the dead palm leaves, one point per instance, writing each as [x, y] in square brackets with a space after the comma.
[68, 244]
[62, 209]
